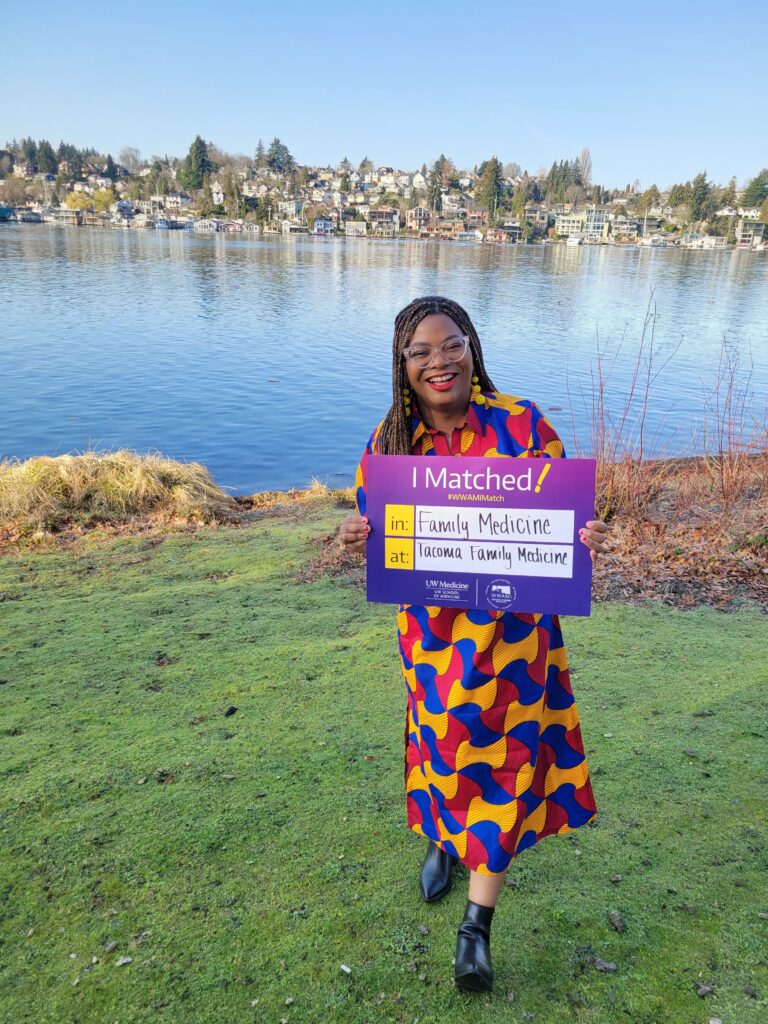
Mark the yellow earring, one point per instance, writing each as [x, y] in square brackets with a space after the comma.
[407, 400]
[476, 396]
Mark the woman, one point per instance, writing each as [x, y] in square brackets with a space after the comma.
[494, 758]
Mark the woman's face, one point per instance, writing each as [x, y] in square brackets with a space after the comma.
[443, 386]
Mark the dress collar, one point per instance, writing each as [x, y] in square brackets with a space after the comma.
[475, 419]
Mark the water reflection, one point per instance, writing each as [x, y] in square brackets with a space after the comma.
[269, 359]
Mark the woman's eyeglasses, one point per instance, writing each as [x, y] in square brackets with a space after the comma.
[422, 355]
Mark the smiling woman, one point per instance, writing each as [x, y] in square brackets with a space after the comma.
[494, 759]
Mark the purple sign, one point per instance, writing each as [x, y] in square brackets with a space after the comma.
[497, 533]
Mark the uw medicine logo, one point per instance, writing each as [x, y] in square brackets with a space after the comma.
[500, 594]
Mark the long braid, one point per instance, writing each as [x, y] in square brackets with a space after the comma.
[395, 435]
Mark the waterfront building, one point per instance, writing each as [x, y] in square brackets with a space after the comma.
[571, 225]
[418, 218]
[749, 233]
[293, 226]
[477, 218]
[385, 220]
[537, 214]
[624, 228]
[355, 228]
[289, 208]
[177, 200]
[596, 224]
[323, 226]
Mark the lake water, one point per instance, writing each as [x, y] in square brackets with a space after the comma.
[269, 361]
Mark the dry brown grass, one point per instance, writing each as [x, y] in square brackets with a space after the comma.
[46, 494]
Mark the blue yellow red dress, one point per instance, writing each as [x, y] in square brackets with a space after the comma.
[494, 758]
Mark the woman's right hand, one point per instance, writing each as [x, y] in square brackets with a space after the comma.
[353, 534]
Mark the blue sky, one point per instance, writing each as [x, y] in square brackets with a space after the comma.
[656, 91]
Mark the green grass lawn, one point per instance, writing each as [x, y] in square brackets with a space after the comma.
[240, 860]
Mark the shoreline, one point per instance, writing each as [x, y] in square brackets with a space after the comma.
[249, 232]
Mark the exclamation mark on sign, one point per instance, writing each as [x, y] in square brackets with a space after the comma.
[542, 474]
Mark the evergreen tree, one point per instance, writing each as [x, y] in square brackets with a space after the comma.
[435, 184]
[233, 200]
[727, 196]
[46, 158]
[28, 151]
[110, 171]
[196, 165]
[757, 190]
[205, 204]
[365, 166]
[261, 157]
[701, 197]
[279, 158]
[561, 177]
[680, 194]
[649, 198]
[518, 203]
[491, 186]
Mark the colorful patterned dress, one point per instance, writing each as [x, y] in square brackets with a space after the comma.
[494, 759]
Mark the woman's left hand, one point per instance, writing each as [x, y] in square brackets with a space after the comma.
[594, 534]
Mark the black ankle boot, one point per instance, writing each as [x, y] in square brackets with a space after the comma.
[436, 873]
[473, 970]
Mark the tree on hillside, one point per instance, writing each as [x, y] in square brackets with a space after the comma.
[680, 194]
[110, 171]
[233, 200]
[74, 158]
[757, 189]
[205, 203]
[130, 158]
[560, 178]
[435, 184]
[365, 166]
[46, 158]
[701, 197]
[518, 202]
[649, 198]
[450, 176]
[13, 191]
[764, 211]
[584, 161]
[279, 157]
[28, 151]
[196, 165]
[260, 156]
[102, 199]
[727, 196]
[490, 188]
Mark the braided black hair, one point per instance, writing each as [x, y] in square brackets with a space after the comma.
[395, 435]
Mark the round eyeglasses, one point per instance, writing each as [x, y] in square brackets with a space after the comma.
[422, 355]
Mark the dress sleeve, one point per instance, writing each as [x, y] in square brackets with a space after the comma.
[361, 474]
[545, 442]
